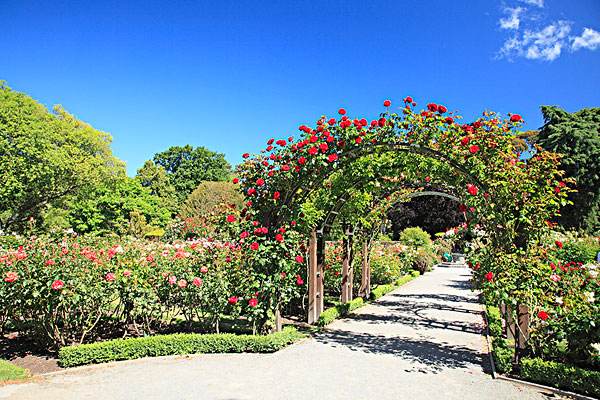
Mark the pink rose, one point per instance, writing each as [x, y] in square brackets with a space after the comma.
[197, 282]
[58, 284]
[110, 277]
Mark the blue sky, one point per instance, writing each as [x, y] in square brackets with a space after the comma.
[228, 75]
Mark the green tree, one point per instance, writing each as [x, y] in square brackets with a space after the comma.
[155, 178]
[122, 207]
[45, 157]
[189, 166]
[577, 137]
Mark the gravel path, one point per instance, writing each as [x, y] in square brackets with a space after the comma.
[422, 341]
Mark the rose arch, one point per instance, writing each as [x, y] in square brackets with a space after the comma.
[349, 171]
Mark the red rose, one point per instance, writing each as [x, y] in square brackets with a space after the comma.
[299, 259]
[472, 189]
[462, 208]
[332, 157]
[441, 109]
[11, 277]
[197, 282]
[427, 179]
[230, 218]
[465, 141]
[254, 246]
[58, 284]
[279, 237]
[489, 276]
[381, 122]
[276, 195]
[236, 180]
[299, 280]
[331, 121]
[387, 103]
[324, 147]
[253, 302]
[302, 160]
[449, 120]
[232, 300]
[432, 107]
[341, 111]
[281, 142]
[312, 151]
[559, 244]
[473, 149]
[543, 315]
[408, 99]
[251, 191]
[245, 155]
[515, 118]
[260, 181]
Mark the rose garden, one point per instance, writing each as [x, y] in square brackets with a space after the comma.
[298, 239]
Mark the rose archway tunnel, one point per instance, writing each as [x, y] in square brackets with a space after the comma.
[350, 171]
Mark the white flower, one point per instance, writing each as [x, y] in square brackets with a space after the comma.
[589, 297]
[559, 300]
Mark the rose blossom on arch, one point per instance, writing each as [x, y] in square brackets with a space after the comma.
[254, 246]
[11, 277]
[472, 189]
[387, 103]
[543, 315]
[57, 284]
[299, 259]
[232, 300]
[231, 218]
[489, 276]
[197, 282]
[110, 277]
[253, 302]
[299, 280]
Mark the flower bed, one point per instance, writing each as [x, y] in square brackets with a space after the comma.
[165, 345]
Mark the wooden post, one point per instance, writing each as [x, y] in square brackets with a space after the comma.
[313, 314]
[523, 323]
[320, 274]
[347, 273]
[365, 277]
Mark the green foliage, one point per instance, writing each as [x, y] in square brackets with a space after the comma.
[46, 158]
[583, 250]
[416, 238]
[11, 372]
[339, 310]
[424, 259]
[189, 166]
[114, 207]
[503, 355]
[494, 321]
[577, 137]
[562, 376]
[382, 290]
[165, 345]
[432, 213]
[155, 178]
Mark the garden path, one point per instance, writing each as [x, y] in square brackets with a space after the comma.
[422, 341]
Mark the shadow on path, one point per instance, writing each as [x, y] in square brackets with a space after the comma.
[423, 355]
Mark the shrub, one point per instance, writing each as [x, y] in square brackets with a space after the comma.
[503, 355]
[11, 372]
[165, 345]
[416, 238]
[339, 310]
[424, 260]
[382, 290]
[562, 376]
[583, 250]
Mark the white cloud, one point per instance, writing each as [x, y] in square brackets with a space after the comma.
[538, 3]
[544, 44]
[589, 39]
[513, 20]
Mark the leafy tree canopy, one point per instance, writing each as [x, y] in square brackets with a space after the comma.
[114, 208]
[577, 137]
[155, 178]
[189, 166]
[46, 157]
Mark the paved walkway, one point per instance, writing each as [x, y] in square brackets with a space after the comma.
[421, 341]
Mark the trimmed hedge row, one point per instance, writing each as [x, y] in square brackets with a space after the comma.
[562, 376]
[342, 309]
[11, 372]
[166, 345]
[339, 310]
[555, 374]
[382, 290]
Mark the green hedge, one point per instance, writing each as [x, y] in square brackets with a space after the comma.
[382, 290]
[165, 345]
[11, 372]
[562, 376]
[342, 309]
[339, 310]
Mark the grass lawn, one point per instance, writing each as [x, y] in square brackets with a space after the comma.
[10, 372]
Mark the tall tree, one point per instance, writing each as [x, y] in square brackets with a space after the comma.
[577, 137]
[155, 178]
[431, 213]
[45, 157]
[189, 166]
